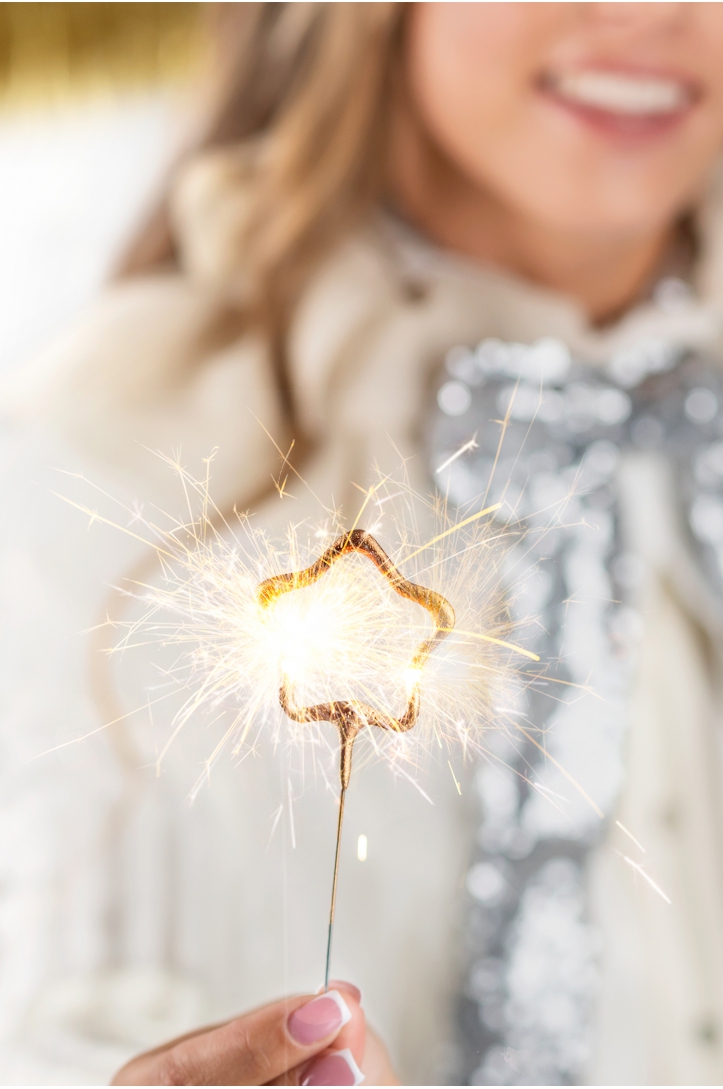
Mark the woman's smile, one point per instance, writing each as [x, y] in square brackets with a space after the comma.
[623, 103]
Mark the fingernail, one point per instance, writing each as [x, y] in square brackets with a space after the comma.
[336, 1068]
[319, 1018]
[353, 991]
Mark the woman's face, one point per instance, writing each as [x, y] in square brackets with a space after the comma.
[586, 117]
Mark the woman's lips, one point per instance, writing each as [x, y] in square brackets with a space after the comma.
[625, 105]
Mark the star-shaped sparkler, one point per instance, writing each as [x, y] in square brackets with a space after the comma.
[350, 716]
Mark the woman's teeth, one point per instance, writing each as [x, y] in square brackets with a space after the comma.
[616, 93]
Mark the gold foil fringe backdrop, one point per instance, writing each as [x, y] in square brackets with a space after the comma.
[50, 52]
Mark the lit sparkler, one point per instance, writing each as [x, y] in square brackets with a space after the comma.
[346, 647]
[351, 716]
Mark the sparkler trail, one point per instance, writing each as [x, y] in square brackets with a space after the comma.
[631, 836]
[471, 444]
[639, 869]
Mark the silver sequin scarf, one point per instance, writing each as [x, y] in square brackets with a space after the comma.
[528, 998]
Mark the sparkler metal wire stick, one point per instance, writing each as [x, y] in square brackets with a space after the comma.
[350, 716]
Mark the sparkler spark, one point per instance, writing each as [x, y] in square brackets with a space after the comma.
[630, 835]
[351, 716]
[639, 869]
[471, 444]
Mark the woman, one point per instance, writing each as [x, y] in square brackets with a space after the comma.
[380, 184]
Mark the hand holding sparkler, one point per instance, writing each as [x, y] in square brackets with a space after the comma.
[344, 648]
[306, 1040]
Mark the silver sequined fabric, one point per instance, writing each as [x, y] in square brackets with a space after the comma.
[528, 999]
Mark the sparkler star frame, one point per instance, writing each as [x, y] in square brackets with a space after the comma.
[351, 716]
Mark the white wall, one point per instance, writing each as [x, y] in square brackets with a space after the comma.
[73, 182]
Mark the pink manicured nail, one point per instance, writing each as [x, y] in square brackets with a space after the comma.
[353, 991]
[336, 1068]
[319, 1018]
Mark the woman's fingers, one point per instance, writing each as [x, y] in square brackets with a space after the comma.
[377, 1064]
[340, 1064]
[255, 1049]
[345, 988]
[332, 1067]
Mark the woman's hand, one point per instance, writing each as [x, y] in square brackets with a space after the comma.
[308, 1040]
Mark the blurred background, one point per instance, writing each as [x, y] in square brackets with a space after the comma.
[94, 103]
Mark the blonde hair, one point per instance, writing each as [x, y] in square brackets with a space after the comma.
[306, 87]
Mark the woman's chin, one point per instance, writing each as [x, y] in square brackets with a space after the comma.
[596, 207]
[583, 187]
